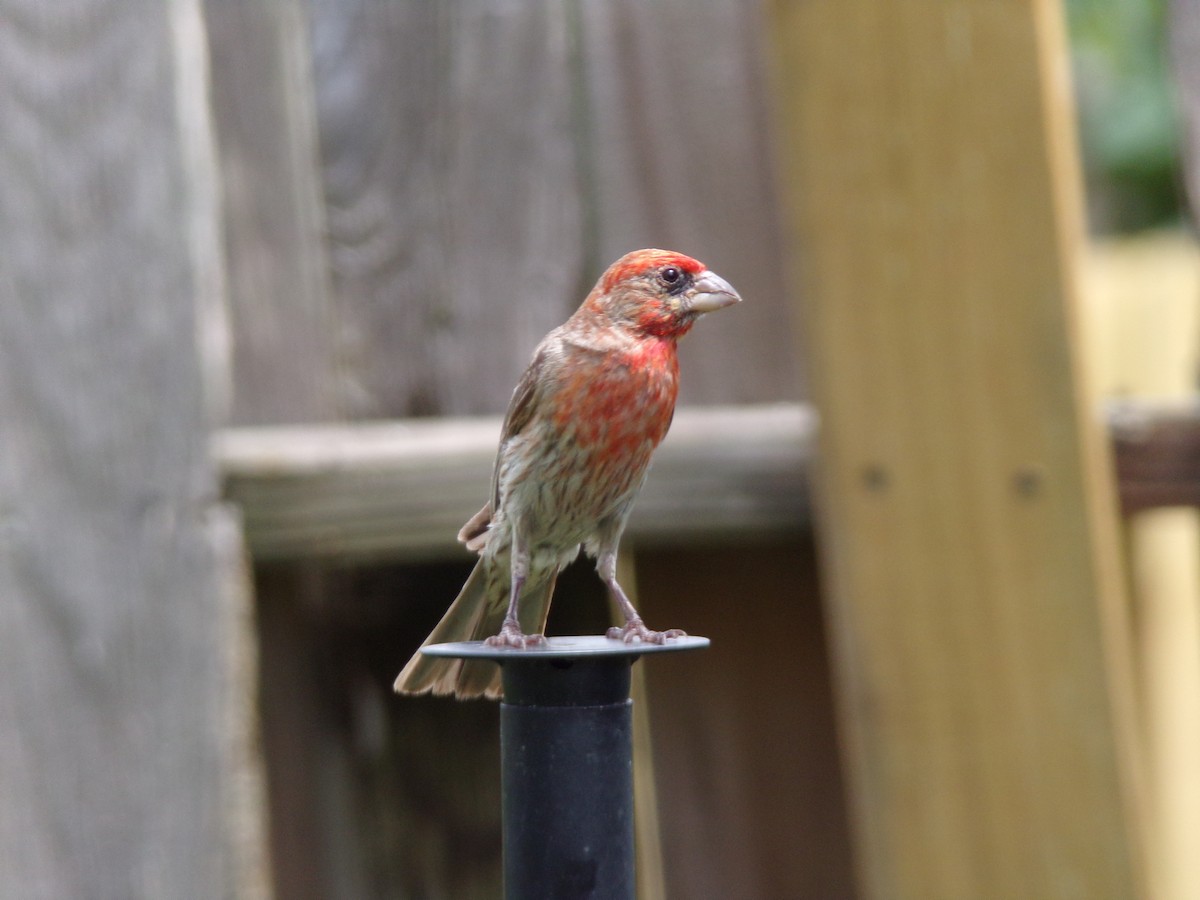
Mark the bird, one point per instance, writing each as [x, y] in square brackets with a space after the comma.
[595, 401]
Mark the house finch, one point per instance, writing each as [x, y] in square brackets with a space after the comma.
[595, 401]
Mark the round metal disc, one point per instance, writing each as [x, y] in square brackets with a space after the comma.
[564, 647]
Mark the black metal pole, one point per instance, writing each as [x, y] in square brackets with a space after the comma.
[566, 756]
[566, 753]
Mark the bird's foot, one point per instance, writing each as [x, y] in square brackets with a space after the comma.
[512, 636]
[635, 632]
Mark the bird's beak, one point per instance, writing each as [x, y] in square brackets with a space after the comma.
[711, 292]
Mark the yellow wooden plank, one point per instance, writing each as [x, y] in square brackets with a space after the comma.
[966, 511]
[1142, 308]
[1165, 574]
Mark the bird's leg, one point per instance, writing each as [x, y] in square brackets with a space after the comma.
[510, 634]
[634, 629]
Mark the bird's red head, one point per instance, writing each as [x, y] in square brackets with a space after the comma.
[658, 292]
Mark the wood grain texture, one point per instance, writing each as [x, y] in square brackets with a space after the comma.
[448, 166]
[475, 176]
[675, 151]
[967, 515]
[286, 368]
[402, 490]
[482, 163]
[374, 795]
[116, 698]
[750, 785]
[285, 359]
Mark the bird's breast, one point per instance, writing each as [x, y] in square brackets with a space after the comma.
[581, 461]
[620, 405]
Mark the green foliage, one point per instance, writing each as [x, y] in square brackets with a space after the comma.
[1128, 119]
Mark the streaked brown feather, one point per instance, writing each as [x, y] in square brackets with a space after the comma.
[474, 615]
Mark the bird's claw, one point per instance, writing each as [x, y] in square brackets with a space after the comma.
[636, 632]
[516, 639]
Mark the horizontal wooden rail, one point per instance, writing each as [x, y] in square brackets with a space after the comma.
[1158, 454]
[402, 489]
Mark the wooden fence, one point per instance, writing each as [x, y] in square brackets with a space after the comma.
[414, 193]
[269, 273]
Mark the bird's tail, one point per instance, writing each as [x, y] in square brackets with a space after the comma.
[477, 613]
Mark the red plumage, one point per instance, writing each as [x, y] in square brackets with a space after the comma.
[595, 401]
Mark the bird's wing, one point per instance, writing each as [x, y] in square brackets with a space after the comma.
[520, 411]
[474, 533]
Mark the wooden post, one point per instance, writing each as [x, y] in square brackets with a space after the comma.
[126, 764]
[966, 509]
[651, 883]
[286, 365]
[1142, 307]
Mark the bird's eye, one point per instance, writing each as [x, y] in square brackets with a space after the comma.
[670, 275]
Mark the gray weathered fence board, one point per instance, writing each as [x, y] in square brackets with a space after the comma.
[400, 490]
[116, 702]
[480, 163]
[679, 131]
[286, 366]
[449, 173]
[401, 231]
